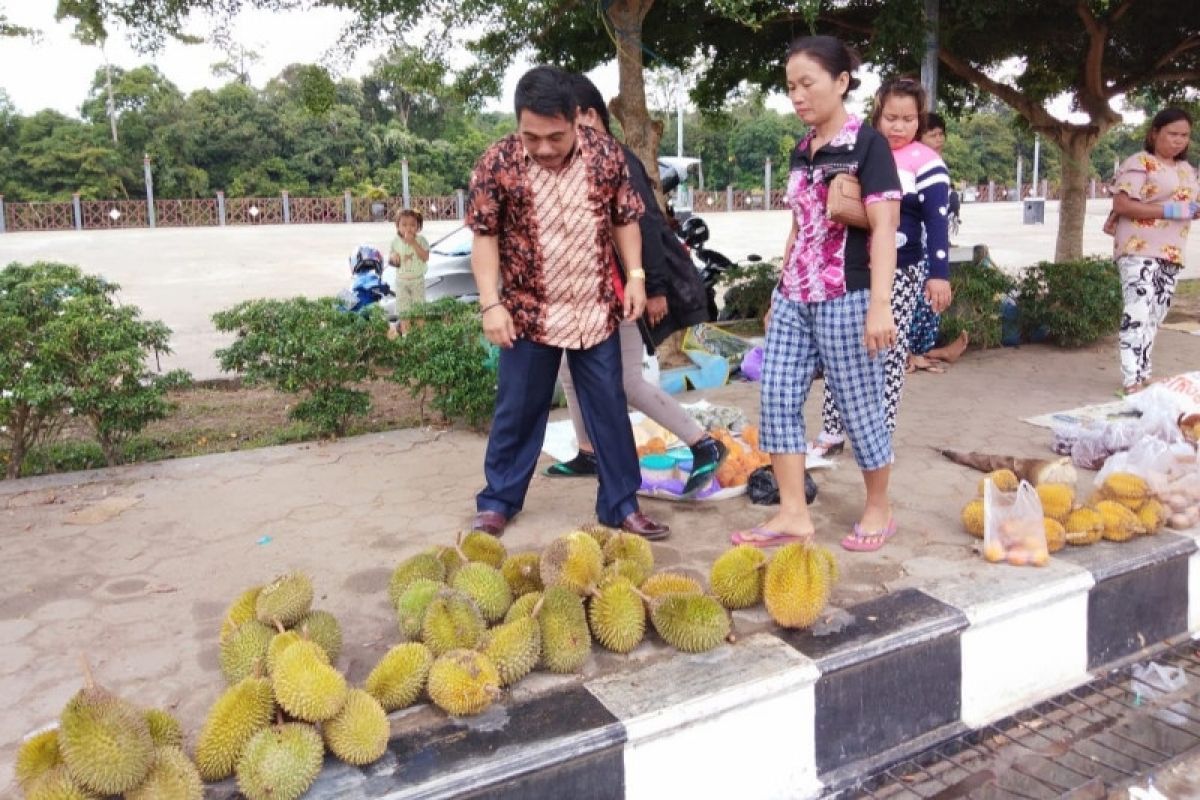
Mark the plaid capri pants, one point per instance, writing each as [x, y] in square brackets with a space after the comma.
[829, 334]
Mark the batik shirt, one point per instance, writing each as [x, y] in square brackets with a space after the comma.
[829, 259]
[555, 236]
[1147, 178]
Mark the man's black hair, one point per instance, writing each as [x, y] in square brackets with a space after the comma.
[588, 97]
[935, 122]
[547, 92]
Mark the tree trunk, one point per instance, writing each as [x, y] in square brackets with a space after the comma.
[1076, 148]
[642, 134]
[16, 454]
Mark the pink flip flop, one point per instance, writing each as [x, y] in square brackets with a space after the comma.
[861, 541]
[758, 536]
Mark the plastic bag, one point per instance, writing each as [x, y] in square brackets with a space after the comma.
[1088, 451]
[1149, 459]
[763, 489]
[752, 364]
[1153, 680]
[1013, 527]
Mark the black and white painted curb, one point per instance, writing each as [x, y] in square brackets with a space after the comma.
[793, 714]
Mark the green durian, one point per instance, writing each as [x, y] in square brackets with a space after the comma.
[798, 583]
[626, 546]
[305, 685]
[523, 573]
[399, 677]
[566, 641]
[104, 741]
[737, 576]
[173, 777]
[165, 730]
[425, 566]
[284, 600]
[244, 648]
[523, 606]
[413, 603]
[463, 682]
[663, 583]
[452, 622]
[280, 762]
[487, 587]
[57, 784]
[692, 623]
[359, 733]
[240, 712]
[574, 561]
[241, 612]
[514, 647]
[323, 628]
[36, 756]
[481, 547]
[617, 616]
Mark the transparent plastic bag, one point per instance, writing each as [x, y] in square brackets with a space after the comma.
[1089, 451]
[1152, 681]
[1149, 459]
[1013, 526]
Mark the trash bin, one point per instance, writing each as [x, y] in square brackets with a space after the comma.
[1035, 211]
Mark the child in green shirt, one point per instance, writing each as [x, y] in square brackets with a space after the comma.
[409, 255]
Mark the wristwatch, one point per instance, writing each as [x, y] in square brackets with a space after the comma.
[637, 274]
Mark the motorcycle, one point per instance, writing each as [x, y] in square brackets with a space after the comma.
[712, 264]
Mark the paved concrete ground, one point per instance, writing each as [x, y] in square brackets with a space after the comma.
[133, 566]
[183, 275]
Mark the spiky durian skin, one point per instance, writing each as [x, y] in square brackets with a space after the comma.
[451, 560]
[324, 629]
[487, 587]
[1057, 500]
[1084, 526]
[57, 784]
[280, 642]
[798, 584]
[423, 565]
[1152, 515]
[306, 686]
[173, 777]
[1120, 524]
[240, 612]
[463, 682]
[1126, 488]
[359, 733]
[664, 583]
[1056, 534]
[105, 742]
[483, 548]
[36, 756]
[1004, 480]
[239, 713]
[284, 600]
[617, 616]
[630, 547]
[523, 606]
[573, 561]
[566, 640]
[692, 623]
[523, 573]
[972, 518]
[244, 648]
[399, 677]
[625, 569]
[601, 533]
[412, 604]
[737, 576]
[280, 762]
[514, 648]
[452, 622]
[165, 730]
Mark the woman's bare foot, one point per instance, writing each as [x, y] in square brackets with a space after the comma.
[778, 530]
[951, 352]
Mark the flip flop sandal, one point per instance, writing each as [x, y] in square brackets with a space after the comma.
[758, 536]
[826, 449]
[580, 466]
[862, 541]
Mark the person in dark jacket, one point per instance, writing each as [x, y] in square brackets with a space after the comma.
[675, 299]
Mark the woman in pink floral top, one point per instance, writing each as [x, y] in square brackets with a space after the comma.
[831, 310]
[1155, 199]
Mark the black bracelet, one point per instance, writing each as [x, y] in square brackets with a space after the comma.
[486, 309]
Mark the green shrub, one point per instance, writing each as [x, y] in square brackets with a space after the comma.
[979, 289]
[749, 288]
[1072, 303]
[445, 359]
[307, 347]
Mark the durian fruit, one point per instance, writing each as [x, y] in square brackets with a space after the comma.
[523, 606]
[305, 685]
[399, 677]
[1056, 534]
[481, 547]
[573, 560]
[57, 784]
[165, 730]
[104, 741]
[280, 642]
[972, 518]
[359, 733]
[423, 565]
[523, 573]
[1057, 500]
[463, 682]
[280, 762]
[514, 648]
[566, 641]
[487, 587]
[323, 628]
[1127, 489]
[37, 755]
[601, 533]
[1003, 479]
[1120, 524]
[1153, 515]
[242, 711]
[625, 546]
[452, 621]
[626, 569]
[737, 576]
[412, 604]
[1084, 526]
[798, 583]
[451, 559]
[284, 600]
[617, 616]
[242, 611]
[244, 648]
[663, 583]
[692, 623]
[173, 777]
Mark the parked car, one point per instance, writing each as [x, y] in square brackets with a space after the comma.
[449, 273]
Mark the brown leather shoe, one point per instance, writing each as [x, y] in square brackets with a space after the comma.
[492, 522]
[643, 526]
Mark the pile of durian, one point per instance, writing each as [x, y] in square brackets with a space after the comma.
[473, 620]
[1123, 507]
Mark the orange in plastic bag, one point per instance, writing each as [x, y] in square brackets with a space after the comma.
[1013, 527]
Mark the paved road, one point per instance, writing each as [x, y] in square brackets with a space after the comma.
[183, 275]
